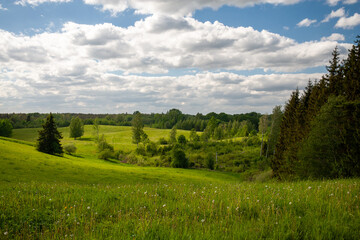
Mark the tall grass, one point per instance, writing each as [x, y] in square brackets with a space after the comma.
[301, 210]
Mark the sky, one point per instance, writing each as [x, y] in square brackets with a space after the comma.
[117, 56]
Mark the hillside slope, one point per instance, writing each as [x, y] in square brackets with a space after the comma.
[20, 162]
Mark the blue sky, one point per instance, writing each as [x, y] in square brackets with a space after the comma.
[110, 56]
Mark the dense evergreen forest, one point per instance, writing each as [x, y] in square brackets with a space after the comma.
[320, 129]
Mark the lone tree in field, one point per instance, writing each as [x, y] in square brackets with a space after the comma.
[137, 128]
[76, 128]
[49, 138]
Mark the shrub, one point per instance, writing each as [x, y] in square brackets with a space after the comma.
[179, 159]
[182, 139]
[70, 149]
[209, 161]
[5, 128]
[103, 144]
[163, 141]
[106, 154]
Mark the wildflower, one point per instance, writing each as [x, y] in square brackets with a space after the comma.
[88, 207]
[309, 187]
[145, 192]
[164, 205]
[202, 220]
[290, 203]
[5, 233]
[213, 201]
[50, 199]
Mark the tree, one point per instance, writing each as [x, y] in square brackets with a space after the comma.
[193, 136]
[179, 159]
[76, 128]
[182, 139]
[96, 128]
[332, 148]
[137, 128]
[49, 137]
[263, 125]
[173, 135]
[5, 128]
[275, 130]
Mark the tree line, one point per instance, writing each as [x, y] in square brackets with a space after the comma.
[319, 133]
[168, 120]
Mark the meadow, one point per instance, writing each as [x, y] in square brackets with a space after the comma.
[82, 197]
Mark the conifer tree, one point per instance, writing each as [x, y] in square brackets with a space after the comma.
[281, 164]
[49, 137]
[352, 72]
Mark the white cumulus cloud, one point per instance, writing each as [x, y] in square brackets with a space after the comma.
[306, 22]
[334, 14]
[335, 2]
[334, 37]
[38, 2]
[348, 22]
[168, 7]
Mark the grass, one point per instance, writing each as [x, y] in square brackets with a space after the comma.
[49, 197]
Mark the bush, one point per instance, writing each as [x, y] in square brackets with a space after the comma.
[106, 154]
[104, 145]
[209, 161]
[163, 141]
[5, 128]
[179, 159]
[70, 149]
[182, 139]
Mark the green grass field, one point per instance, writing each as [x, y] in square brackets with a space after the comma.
[81, 197]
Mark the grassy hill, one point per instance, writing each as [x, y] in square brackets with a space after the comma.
[81, 197]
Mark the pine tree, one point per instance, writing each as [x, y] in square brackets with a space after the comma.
[49, 138]
[283, 160]
[334, 77]
[352, 72]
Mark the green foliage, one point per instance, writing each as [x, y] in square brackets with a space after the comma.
[173, 135]
[210, 161]
[324, 122]
[179, 159]
[70, 149]
[137, 128]
[106, 154]
[102, 144]
[181, 139]
[5, 128]
[49, 138]
[76, 128]
[194, 137]
[332, 148]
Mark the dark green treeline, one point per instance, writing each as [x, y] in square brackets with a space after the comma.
[320, 128]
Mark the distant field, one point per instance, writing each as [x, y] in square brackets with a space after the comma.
[48, 197]
[119, 136]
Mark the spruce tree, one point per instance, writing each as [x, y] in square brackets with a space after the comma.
[49, 137]
[282, 162]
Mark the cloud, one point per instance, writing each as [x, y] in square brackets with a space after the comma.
[334, 37]
[38, 2]
[3, 8]
[348, 22]
[54, 71]
[203, 92]
[306, 22]
[335, 2]
[167, 7]
[334, 14]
